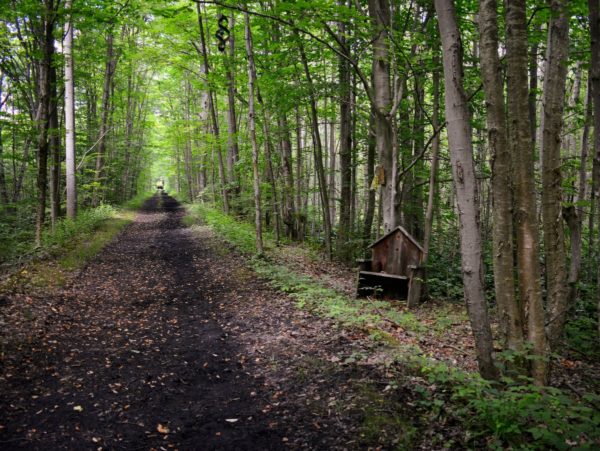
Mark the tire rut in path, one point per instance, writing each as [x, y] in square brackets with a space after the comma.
[134, 356]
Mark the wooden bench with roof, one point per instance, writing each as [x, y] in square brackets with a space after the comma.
[396, 260]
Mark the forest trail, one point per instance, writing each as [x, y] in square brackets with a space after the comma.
[167, 340]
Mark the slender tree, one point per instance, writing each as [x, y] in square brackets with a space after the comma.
[555, 77]
[252, 129]
[521, 148]
[461, 155]
[70, 114]
[509, 312]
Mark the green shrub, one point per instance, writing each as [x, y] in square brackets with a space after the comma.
[66, 229]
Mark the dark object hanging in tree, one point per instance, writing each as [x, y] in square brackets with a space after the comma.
[222, 33]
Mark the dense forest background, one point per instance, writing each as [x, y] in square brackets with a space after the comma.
[330, 123]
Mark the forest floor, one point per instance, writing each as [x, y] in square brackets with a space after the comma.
[167, 340]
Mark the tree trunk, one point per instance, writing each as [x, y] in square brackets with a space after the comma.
[573, 214]
[54, 145]
[301, 212]
[332, 169]
[521, 147]
[415, 292]
[510, 313]
[318, 152]
[46, 45]
[533, 87]
[270, 171]
[595, 77]
[461, 155]
[3, 187]
[70, 115]
[345, 80]
[252, 126]
[289, 211]
[555, 77]
[109, 72]
[379, 11]
[232, 140]
[213, 114]
[370, 170]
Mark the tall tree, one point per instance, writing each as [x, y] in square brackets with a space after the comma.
[109, 72]
[318, 149]
[70, 114]
[555, 77]
[509, 312]
[379, 11]
[45, 42]
[463, 172]
[594, 8]
[214, 120]
[252, 129]
[521, 148]
[345, 80]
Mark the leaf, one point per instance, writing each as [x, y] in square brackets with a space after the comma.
[162, 429]
[78, 408]
[231, 420]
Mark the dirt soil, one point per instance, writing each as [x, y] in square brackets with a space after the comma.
[166, 340]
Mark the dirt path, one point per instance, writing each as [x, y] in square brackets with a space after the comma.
[168, 342]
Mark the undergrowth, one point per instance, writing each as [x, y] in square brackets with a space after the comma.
[512, 414]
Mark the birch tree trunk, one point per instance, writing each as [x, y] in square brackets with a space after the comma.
[526, 221]
[555, 77]
[510, 314]
[252, 128]
[461, 155]
[70, 115]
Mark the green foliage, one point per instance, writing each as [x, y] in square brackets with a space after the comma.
[67, 229]
[514, 414]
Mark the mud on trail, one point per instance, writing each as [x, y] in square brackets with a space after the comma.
[167, 341]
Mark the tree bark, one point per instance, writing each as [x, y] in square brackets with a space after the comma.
[3, 187]
[252, 127]
[510, 313]
[46, 45]
[379, 11]
[232, 140]
[109, 72]
[555, 77]
[213, 113]
[370, 170]
[54, 147]
[415, 293]
[594, 8]
[521, 148]
[345, 92]
[461, 155]
[70, 115]
[318, 152]
[289, 209]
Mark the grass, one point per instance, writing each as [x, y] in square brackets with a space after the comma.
[513, 414]
[65, 248]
